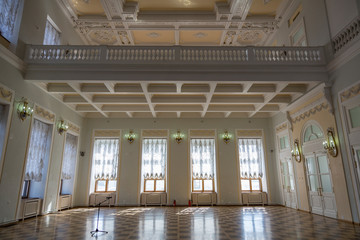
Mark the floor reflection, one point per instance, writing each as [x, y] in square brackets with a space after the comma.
[182, 223]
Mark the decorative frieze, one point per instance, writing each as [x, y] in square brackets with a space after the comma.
[249, 133]
[310, 112]
[107, 133]
[202, 133]
[43, 113]
[281, 127]
[154, 133]
[73, 128]
[6, 94]
[350, 93]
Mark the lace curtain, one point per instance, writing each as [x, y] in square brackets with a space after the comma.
[154, 155]
[69, 161]
[8, 12]
[106, 154]
[40, 134]
[51, 36]
[251, 158]
[203, 158]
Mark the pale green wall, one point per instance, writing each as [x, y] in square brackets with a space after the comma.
[178, 166]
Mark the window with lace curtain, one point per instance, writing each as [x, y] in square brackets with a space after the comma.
[105, 164]
[9, 10]
[251, 158]
[37, 158]
[69, 164]
[203, 157]
[52, 33]
[153, 167]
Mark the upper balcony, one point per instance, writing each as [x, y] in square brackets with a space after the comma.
[175, 63]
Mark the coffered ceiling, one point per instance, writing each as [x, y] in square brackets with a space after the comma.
[175, 22]
[177, 100]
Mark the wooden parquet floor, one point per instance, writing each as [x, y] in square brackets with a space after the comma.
[206, 223]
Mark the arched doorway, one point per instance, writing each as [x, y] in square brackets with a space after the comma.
[319, 180]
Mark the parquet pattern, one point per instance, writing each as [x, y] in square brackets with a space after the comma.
[198, 223]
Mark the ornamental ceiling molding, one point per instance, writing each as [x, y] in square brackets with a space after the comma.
[44, 114]
[6, 94]
[350, 93]
[122, 16]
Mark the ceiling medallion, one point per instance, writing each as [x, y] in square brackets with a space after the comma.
[200, 35]
[153, 35]
[103, 37]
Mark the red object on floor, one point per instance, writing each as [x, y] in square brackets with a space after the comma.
[174, 203]
[189, 203]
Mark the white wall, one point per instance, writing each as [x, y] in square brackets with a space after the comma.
[179, 186]
[34, 20]
[340, 14]
[315, 21]
[14, 161]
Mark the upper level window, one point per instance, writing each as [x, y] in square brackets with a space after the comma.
[251, 158]
[298, 36]
[9, 10]
[284, 142]
[312, 132]
[52, 33]
[105, 164]
[154, 158]
[202, 155]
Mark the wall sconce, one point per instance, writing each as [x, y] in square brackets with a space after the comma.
[62, 127]
[24, 110]
[226, 137]
[130, 136]
[296, 151]
[178, 136]
[330, 144]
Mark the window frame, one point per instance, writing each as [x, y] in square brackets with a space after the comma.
[250, 184]
[300, 25]
[106, 185]
[155, 179]
[26, 187]
[202, 185]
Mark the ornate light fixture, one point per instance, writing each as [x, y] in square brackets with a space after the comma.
[130, 136]
[24, 110]
[178, 136]
[296, 151]
[62, 127]
[226, 137]
[330, 144]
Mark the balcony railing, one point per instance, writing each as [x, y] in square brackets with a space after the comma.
[347, 35]
[39, 54]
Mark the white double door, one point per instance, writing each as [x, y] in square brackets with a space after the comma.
[321, 194]
[287, 172]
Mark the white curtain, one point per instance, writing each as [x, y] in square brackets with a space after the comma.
[251, 158]
[51, 36]
[106, 154]
[69, 161]
[203, 158]
[154, 155]
[40, 134]
[8, 12]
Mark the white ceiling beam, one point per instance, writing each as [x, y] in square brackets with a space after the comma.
[129, 114]
[77, 88]
[227, 114]
[208, 98]
[268, 97]
[144, 87]
[110, 86]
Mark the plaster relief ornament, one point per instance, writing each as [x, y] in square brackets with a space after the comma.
[153, 35]
[200, 35]
[250, 37]
[103, 37]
